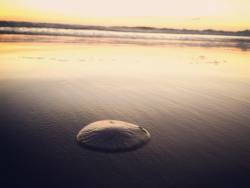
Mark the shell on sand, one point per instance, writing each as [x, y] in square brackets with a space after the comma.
[112, 136]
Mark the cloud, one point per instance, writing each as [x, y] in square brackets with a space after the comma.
[196, 19]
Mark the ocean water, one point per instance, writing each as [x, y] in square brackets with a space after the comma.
[192, 93]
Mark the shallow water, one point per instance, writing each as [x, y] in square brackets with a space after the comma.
[194, 100]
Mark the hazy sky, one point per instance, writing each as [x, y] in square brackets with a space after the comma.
[197, 14]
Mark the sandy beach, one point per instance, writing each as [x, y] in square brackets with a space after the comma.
[194, 101]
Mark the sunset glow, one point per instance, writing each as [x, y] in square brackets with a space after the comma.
[194, 14]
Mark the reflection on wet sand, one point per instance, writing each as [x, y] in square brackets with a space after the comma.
[197, 113]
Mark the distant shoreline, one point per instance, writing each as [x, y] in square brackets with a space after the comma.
[140, 29]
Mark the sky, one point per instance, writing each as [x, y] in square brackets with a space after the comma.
[190, 14]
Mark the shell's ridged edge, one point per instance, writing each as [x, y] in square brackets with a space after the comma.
[117, 150]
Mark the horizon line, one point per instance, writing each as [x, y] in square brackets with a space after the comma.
[151, 29]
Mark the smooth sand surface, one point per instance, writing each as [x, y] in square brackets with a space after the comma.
[195, 102]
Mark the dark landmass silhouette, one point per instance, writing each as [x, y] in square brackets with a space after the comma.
[139, 29]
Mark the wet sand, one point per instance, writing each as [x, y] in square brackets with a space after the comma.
[194, 101]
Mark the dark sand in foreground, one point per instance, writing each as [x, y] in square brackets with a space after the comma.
[196, 110]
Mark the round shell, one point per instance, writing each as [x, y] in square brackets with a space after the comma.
[112, 136]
